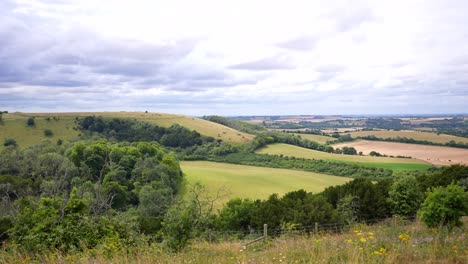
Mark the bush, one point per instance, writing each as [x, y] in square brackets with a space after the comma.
[9, 142]
[31, 121]
[48, 133]
[444, 206]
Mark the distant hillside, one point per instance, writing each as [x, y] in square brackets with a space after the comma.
[62, 125]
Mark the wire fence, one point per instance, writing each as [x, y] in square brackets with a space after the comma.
[247, 235]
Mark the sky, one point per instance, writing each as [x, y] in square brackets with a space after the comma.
[238, 57]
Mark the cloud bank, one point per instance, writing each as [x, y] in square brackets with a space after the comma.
[235, 57]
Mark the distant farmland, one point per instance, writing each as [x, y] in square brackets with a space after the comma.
[396, 164]
[434, 154]
[417, 135]
[255, 182]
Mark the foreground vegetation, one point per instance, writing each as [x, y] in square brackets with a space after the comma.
[382, 243]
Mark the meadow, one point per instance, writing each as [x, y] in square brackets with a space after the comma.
[382, 243]
[254, 182]
[436, 155]
[15, 127]
[417, 135]
[396, 164]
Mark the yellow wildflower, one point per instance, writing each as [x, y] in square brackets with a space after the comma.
[404, 238]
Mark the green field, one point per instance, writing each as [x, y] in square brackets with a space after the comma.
[14, 126]
[317, 138]
[396, 164]
[255, 182]
[417, 135]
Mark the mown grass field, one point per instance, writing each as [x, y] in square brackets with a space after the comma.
[436, 155]
[255, 182]
[417, 135]
[396, 164]
[14, 126]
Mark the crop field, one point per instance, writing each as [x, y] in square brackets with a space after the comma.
[417, 135]
[436, 155]
[396, 164]
[15, 126]
[255, 182]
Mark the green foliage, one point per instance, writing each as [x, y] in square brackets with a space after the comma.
[31, 122]
[444, 206]
[9, 142]
[178, 225]
[442, 177]
[235, 215]
[51, 223]
[133, 131]
[48, 133]
[5, 224]
[405, 196]
[372, 198]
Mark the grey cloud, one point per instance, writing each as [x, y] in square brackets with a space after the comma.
[280, 62]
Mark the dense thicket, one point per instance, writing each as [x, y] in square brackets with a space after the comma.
[132, 131]
[87, 192]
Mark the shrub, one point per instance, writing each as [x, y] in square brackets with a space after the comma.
[9, 142]
[48, 132]
[31, 121]
[444, 206]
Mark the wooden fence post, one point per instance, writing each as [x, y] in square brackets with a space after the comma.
[316, 228]
[265, 232]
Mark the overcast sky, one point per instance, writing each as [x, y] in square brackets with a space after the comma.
[234, 57]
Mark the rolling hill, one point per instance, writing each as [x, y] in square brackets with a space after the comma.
[62, 125]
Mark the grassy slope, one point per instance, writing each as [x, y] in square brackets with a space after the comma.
[417, 135]
[255, 182]
[15, 126]
[396, 164]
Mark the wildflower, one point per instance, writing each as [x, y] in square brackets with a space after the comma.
[404, 238]
[363, 240]
[381, 252]
[349, 241]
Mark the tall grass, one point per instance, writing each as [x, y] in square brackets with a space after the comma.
[383, 243]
